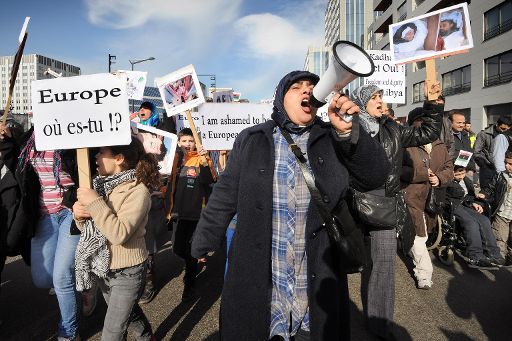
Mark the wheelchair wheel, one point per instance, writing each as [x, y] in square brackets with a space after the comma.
[434, 238]
[445, 255]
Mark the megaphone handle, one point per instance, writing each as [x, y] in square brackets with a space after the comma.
[344, 117]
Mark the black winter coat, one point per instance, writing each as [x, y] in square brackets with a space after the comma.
[19, 208]
[395, 138]
[495, 192]
[456, 195]
[245, 188]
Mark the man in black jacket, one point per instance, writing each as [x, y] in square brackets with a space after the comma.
[461, 140]
[282, 279]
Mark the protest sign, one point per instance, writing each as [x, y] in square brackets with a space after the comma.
[158, 142]
[180, 90]
[223, 96]
[387, 76]
[463, 158]
[136, 82]
[435, 34]
[219, 124]
[80, 112]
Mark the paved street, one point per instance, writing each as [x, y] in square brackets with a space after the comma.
[464, 304]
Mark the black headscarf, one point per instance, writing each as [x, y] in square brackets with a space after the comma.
[279, 114]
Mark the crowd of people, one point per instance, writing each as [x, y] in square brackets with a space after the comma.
[282, 279]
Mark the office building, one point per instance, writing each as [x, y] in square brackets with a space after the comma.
[317, 60]
[348, 20]
[477, 83]
[32, 67]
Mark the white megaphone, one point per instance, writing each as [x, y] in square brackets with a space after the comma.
[348, 62]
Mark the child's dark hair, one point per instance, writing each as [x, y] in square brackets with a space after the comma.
[145, 164]
[458, 168]
[508, 155]
[185, 132]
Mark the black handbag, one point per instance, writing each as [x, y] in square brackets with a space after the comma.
[375, 210]
[433, 204]
[341, 227]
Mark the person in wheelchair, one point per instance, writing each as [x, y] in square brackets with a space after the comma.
[499, 189]
[481, 248]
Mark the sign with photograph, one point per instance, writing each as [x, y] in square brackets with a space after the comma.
[463, 158]
[135, 84]
[219, 124]
[180, 90]
[387, 76]
[435, 34]
[158, 142]
[80, 112]
[223, 96]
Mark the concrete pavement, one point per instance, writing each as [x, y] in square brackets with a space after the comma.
[464, 304]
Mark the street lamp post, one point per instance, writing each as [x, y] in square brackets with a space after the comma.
[133, 62]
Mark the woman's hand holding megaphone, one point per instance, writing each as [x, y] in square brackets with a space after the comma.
[341, 105]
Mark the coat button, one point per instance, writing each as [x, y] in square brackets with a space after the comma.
[326, 199]
[313, 275]
[313, 235]
[262, 171]
[320, 161]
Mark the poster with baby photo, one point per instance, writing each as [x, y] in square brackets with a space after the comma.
[158, 142]
[180, 90]
[435, 34]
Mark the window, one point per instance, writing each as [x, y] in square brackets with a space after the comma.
[417, 92]
[498, 69]
[402, 12]
[457, 81]
[498, 20]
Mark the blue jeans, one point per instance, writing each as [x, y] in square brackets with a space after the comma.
[53, 265]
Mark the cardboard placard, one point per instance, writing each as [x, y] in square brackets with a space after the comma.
[219, 124]
[180, 90]
[431, 35]
[223, 96]
[158, 142]
[387, 76]
[80, 112]
[135, 84]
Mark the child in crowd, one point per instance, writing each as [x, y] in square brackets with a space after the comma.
[499, 190]
[119, 207]
[481, 248]
[195, 174]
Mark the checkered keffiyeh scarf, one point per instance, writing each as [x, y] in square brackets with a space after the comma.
[289, 305]
[92, 255]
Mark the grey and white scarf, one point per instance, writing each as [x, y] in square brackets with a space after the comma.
[92, 255]
[361, 96]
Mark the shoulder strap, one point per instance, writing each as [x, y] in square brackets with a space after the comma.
[315, 193]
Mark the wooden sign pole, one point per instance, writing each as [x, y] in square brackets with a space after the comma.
[84, 170]
[14, 74]
[431, 80]
[192, 125]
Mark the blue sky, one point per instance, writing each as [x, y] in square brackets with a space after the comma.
[248, 45]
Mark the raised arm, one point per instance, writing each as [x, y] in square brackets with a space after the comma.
[429, 130]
